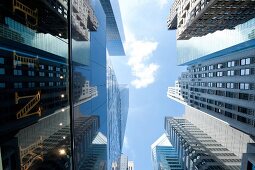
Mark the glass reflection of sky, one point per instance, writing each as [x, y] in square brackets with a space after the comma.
[200, 46]
[90, 62]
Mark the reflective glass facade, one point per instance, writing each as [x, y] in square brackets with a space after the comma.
[53, 85]
[118, 96]
[197, 47]
[34, 95]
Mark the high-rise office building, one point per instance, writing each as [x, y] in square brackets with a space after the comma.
[206, 36]
[198, 18]
[164, 155]
[124, 101]
[53, 84]
[196, 149]
[124, 163]
[222, 87]
[117, 110]
[217, 88]
[131, 165]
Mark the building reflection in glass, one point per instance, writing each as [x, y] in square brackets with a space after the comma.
[34, 100]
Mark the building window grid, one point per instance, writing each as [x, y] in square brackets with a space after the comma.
[17, 72]
[231, 63]
[244, 72]
[1, 60]
[244, 86]
[230, 72]
[245, 61]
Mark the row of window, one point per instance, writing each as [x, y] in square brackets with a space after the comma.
[225, 113]
[32, 65]
[242, 96]
[227, 105]
[32, 73]
[241, 72]
[51, 68]
[241, 62]
[19, 85]
[228, 85]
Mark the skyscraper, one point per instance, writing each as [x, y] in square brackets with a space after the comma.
[124, 163]
[222, 86]
[131, 165]
[53, 84]
[217, 88]
[196, 149]
[198, 18]
[164, 155]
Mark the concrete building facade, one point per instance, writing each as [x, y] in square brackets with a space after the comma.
[222, 87]
[196, 149]
[200, 17]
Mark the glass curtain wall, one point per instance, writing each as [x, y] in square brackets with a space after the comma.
[34, 86]
[89, 84]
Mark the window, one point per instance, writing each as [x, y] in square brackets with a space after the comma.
[210, 67]
[1, 60]
[219, 85]
[244, 86]
[31, 65]
[219, 66]
[2, 85]
[244, 96]
[42, 84]
[219, 74]
[50, 74]
[231, 73]
[210, 74]
[58, 84]
[245, 71]
[203, 75]
[17, 85]
[242, 109]
[31, 84]
[228, 114]
[50, 68]
[17, 72]
[41, 66]
[217, 110]
[2, 71]
[210, 84]
[230, 94]
[230, 85]
[231, 63]
[64, 70]
[31, 73]
[242, 119]
[50, 83]
[41, 74]
[228, 106]
[245, 61]
[57, 69]
[16, 63]
[203, 68]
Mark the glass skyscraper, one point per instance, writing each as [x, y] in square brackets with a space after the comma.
[53, 84]
[164, 155]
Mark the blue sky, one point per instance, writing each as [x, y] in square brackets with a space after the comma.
[149, 68]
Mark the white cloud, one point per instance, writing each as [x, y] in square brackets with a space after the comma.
[125, 143]
[139, 51]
